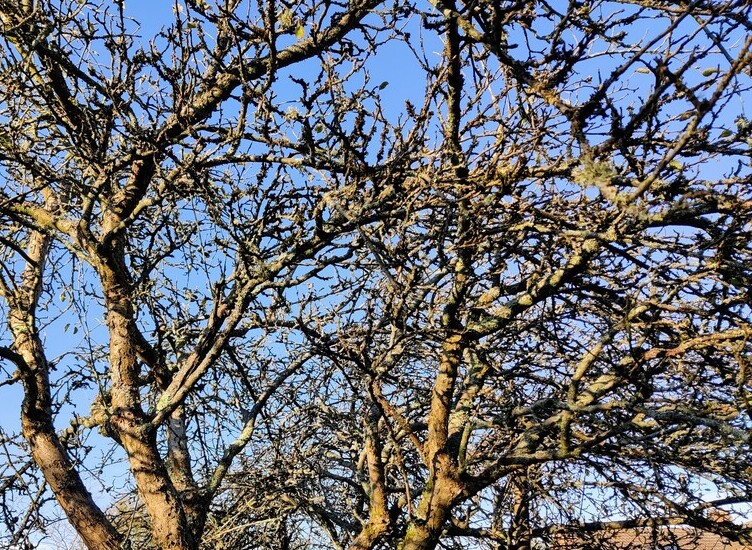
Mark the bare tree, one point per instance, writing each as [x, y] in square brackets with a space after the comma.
[513, 311]
[163, 186]
[555, 337]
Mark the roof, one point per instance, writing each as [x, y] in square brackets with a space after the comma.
[664, 538]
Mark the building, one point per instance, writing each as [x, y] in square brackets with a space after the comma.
[660, 538]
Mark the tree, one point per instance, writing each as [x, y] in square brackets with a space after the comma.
[508, 306]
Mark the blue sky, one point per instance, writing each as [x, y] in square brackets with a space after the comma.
[393, 65]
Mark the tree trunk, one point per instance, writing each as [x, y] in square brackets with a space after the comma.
[53, 460]
[442, 491]
[519, 529]
[378, 520]
[37, 424]
[169, 523]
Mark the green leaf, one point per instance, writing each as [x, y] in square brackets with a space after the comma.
[383, 85]
[726, 133]
[300, 32]
[709, 71]
[675, 165]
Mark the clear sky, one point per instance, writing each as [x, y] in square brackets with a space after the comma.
[392, 66]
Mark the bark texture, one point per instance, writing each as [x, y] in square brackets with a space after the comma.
[36, 412]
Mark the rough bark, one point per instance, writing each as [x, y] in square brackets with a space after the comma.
[36, 414]
[180, 472]
[378, 520]
[169, 523]
[442, 451]
[519, 530]
[440, 495]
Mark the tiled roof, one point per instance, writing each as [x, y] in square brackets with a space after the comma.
[674, 538]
